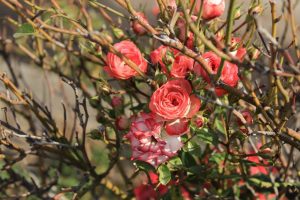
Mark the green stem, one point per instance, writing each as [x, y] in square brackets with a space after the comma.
[230, 20]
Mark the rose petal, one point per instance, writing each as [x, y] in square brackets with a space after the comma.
[195, 106]
[177, 127]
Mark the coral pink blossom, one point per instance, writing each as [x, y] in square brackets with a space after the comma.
[229, 73]
[137, 27]
[211, 8]
[117, 68]
[179, 63]
[173, 100]
[149, 143]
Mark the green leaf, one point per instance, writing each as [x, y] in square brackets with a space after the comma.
[118, 33]
[193, 147]
[95, 134]
[24, 30]
[144, 166]
[187, 159]
[174, 163]
[204, 135]
[220, 126]
[164, 174]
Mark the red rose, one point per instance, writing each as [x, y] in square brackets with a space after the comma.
[173, 100]
[229, 73]
[137, 27]
[179, 63]
[117, 68]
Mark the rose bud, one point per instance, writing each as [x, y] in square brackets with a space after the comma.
[116, 101]
[171, 4]
[179, 64]
[117, 68]
[248, 117]
[237, 48]
[212, 9]
[181, 24]
[229, 74]
[198, 121]
[137, 27]
[155, 10]
[174, 100]
[122, 122]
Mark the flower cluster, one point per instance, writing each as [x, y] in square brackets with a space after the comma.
[155, 136]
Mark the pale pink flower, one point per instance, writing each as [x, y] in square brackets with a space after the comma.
[149, 142]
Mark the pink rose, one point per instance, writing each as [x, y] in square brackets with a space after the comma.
[137, 27]
[148, 141]
[229, 73]
[173, 100]
[179, 63]
[117, 68]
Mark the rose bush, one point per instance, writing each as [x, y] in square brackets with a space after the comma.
[198, 101]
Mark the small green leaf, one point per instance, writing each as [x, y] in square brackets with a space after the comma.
[144, 166]
[174, 163]
[204, 135]
[164, 174]
[24, 30]
[95, 134]
[118, 33]
[220, 126]
[187, 159]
